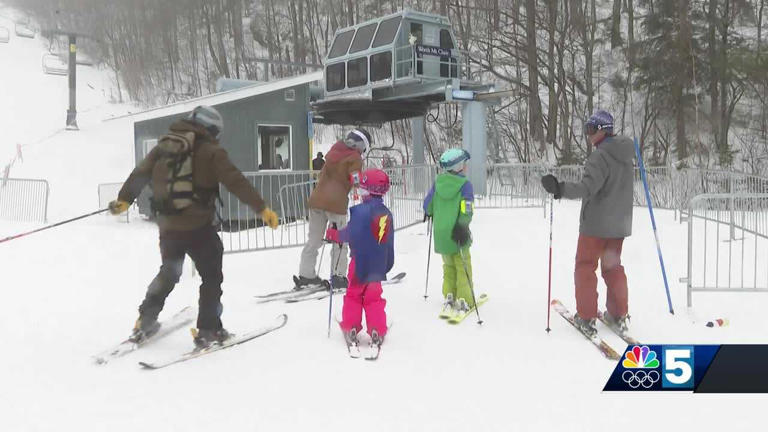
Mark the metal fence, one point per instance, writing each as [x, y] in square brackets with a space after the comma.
[409, 185]
[727, 244]
[108, 192]
[242, 230]
[24, 200]
[518, 185]
[288, 193]
[513, 186]
[674, 189]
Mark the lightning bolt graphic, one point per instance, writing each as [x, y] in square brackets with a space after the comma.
[382, 227]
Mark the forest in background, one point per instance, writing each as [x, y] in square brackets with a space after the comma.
[689, 78]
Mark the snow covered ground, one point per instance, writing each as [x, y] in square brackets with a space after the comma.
[72, 291]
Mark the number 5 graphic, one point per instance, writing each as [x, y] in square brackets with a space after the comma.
[678, 367]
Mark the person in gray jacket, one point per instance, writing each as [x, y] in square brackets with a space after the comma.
[605, 220]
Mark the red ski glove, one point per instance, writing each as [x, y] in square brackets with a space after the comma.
[332, 235]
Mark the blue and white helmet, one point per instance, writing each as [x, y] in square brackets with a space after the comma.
[358, 139]
[209, 118]
[454, 159]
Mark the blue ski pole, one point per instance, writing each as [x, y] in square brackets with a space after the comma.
[653, 221]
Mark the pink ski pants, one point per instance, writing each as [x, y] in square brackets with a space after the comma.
[363, 297]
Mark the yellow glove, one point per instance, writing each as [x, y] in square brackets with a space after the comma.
[117, 206]
[269, 217]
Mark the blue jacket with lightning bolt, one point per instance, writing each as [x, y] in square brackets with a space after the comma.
[371, 238]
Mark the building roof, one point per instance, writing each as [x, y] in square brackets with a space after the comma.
[223, 97]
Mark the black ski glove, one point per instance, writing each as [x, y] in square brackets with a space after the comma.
[461, 234]
[552, 186]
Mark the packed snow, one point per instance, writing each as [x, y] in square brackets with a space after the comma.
[72, 291]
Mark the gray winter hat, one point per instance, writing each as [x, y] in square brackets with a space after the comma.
[209, 118]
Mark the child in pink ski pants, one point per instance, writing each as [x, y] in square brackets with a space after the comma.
[371, 243]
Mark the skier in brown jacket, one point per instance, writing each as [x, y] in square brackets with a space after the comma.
[328, 203]
[189, 230]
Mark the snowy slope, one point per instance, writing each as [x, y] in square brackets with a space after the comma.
[72, 291]
[33, 108]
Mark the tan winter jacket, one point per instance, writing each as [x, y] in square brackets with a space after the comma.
[332, 191]
[211, 167]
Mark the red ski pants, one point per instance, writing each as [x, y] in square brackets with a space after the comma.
[363, 297]
[608, 251]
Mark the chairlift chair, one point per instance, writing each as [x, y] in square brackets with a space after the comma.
[53, 65]
[23, 30]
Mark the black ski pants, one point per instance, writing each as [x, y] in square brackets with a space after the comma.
[204, 246]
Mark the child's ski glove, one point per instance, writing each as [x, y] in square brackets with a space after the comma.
[552, 186]
[461, 234]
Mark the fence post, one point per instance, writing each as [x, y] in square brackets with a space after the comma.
[689, 279]
[732, 227]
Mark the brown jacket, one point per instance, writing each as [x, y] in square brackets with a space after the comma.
[211, 167]
[333, 186]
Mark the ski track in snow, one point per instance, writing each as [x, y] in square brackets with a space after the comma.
[72, 291]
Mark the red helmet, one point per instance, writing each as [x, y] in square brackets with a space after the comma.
[375, 181]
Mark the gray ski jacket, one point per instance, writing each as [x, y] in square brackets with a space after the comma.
[606, 189]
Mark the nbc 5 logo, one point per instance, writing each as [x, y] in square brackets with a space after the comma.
[678, 367]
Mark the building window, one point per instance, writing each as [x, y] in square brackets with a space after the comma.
[381, 66]
[335, 77]
[274, 147]
[363, 38]
[387, 31]
[341, 44]
[417, 38]
[148, 145]
[446, 41]
[357, 72]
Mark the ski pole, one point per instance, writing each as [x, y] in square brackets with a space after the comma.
[330, 298]
[53, 226]
[320, 263]
[549, 282]
[653, 222]
[429, 253]
[471, 285]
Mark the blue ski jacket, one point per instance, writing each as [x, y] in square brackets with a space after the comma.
[370, 234]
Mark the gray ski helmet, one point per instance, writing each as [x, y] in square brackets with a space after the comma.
[358, 139]
[209, 118]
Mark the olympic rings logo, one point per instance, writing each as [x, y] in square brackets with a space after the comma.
[635, 379]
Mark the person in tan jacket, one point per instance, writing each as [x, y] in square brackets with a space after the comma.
[328, 203]
[185, 218]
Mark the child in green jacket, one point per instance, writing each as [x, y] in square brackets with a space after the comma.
[449, 203]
